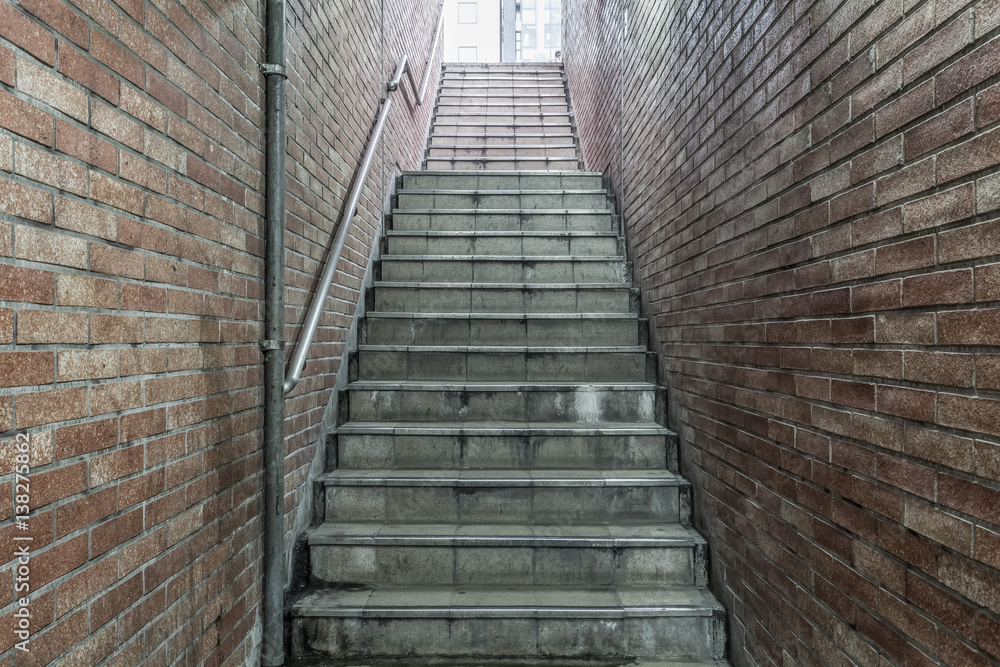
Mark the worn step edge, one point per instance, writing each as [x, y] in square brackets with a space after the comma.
[504, 428]
[580, 536]
[502, 478]
[674, 601]
[507, 349]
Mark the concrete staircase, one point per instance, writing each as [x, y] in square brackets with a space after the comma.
[505, 491]
[502, 116]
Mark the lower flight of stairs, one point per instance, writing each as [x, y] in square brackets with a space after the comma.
[502, 116]
[505, 486]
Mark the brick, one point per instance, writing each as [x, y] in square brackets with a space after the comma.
[85, 146]
[85, 438]
[144, 298]
[86, 72]
[6, 153]
[968, 327]
[115, 465]
[906, 182]
[79, 217]
[48, 407]
[113, 261]
[939, 209]
[22, 118]
[943, 44]
[143, 424]
[942, 128]
[943, 287]
[907, 403]
[115, 532]
[165, 93]
[968, 413]
[974, 68]
[117, 125]
[56, 484]
[52, 90]
[48, 168]
[140, 106]
[22, 369]
[135, 169]
[62, 18]
[111, 329]
[85, 585]
[138, 489]
[88, 509]
[87, 365]
[974, 155]
[6, 326]
[74, 290]
[22, 201]
[969, 242]
[905, 256]
[988, 371]
[117, 59]
[115, 193]
[115, 397]
[27, 34]
[45, 247]
[143, 361]
[36, 327]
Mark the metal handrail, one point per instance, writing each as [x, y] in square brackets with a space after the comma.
[298, 361]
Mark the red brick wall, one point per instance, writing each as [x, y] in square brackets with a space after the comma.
[131, 279]
[811, 196]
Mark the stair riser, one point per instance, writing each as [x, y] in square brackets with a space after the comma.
[492, 565]
[481, 182]
[504, 152]
[526, 126]
[410, 331]
[519, 452]
[583, 404]
[513, 300]
[511, 505]
[495, 164]
[605, 246]
[503, 271]
[409, 199]
[664, 637]
[506, 366]
[503, 222]
[536, 108]
[552, 139]
[462, 97]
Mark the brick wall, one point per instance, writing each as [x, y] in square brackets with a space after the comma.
[131, 279]
[811, 195]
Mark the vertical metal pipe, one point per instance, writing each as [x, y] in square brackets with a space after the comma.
[273, 651]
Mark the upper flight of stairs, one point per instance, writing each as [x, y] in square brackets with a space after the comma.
[502, 116]
[505, 487]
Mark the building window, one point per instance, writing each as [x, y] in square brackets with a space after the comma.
[467, 12]
[466, 54]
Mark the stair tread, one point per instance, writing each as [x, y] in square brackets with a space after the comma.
[504, 428]
[503, 234]
[504, 258]
[503, 211]
[452, 385]
[497, 349]
[501, 477]
[502, 316]
[531, 286]
[499, 601]
[621, 535]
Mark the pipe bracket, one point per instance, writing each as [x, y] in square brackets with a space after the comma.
[268, 345]
[268, 70]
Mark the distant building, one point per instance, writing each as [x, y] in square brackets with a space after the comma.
[502, 30]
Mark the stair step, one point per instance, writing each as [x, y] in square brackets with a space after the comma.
[507, 152]
[426, 401]
[508, 244]
[503, 269]
[467, 125]
[624, 622]
[513, 164]
[502, 180]
[425, 297]
[484, 554]
[506, 445]
[555, 138]
[394, 328]
[505, 364]
[503, 220]
[502, 199]
[506, 496]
